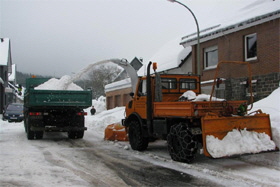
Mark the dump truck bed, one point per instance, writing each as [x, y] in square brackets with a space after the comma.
[54, 98]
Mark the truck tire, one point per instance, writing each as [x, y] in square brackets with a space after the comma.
[75, 134]
[25, 125]
[136, 139]
[39, 134]
[182, 144]
[29, 133]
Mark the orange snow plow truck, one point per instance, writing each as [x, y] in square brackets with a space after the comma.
[171, 107]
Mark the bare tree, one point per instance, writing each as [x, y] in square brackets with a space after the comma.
[98, 77]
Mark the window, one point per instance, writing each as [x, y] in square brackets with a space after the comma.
[251, 47]
[168, 83]
[210, 57]
[189, 84]
[142, 89]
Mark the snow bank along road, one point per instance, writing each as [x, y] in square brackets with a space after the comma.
[58, 161]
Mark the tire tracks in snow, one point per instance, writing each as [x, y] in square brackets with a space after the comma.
[75, 164]
[227, 170]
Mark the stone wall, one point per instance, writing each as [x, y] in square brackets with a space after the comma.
[263, 85]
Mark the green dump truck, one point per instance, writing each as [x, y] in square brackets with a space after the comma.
[54, 110]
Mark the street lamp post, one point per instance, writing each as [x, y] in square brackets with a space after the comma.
[198, 42]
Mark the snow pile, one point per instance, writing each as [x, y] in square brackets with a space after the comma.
[191, 96]
[239, 142]
[99, 105]
[64, 83]
[271, 106]
[104, 118]
[188, 95]
[205, 97]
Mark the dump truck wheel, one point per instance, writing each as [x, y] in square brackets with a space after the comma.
[39, 134]
[75, 134]
[25, 125]
[29, 133]
[182, 144]
[136, 139]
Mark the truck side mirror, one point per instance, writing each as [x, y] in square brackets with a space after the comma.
[131, 94]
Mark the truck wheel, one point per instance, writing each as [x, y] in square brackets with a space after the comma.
[29, 133]
[39, 134]
[136, 140]
[75, 134]
[25, 125]
[182, 145]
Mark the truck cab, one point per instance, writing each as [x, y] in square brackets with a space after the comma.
[165, 88]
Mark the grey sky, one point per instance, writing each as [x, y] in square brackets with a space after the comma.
[58, 37]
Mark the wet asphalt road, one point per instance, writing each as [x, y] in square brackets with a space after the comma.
[136, 172]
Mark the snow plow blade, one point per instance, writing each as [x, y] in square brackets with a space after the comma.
[219, 127]
[114, 132]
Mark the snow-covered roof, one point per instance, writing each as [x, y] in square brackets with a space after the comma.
[255, 13]
[12, 76]
[4, 51]
[168, 56]
[125, 83]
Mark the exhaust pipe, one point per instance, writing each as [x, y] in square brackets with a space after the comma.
[149, 108]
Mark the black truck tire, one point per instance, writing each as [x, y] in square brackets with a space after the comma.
[39, 134]
[182, 144]
[29, 133]
[136, 139]
[75, 134]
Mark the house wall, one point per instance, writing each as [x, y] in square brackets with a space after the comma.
[265, 69]
[3, 98]
[118, 98]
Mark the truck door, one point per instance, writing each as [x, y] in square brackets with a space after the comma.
[141, 99]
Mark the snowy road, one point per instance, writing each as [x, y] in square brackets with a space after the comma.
[58, 161]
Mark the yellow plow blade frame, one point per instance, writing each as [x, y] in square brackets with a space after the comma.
[114, 132]
[220, 126]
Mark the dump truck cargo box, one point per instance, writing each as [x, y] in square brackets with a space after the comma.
[82, 99]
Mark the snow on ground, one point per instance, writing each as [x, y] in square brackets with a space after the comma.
[271, 106]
